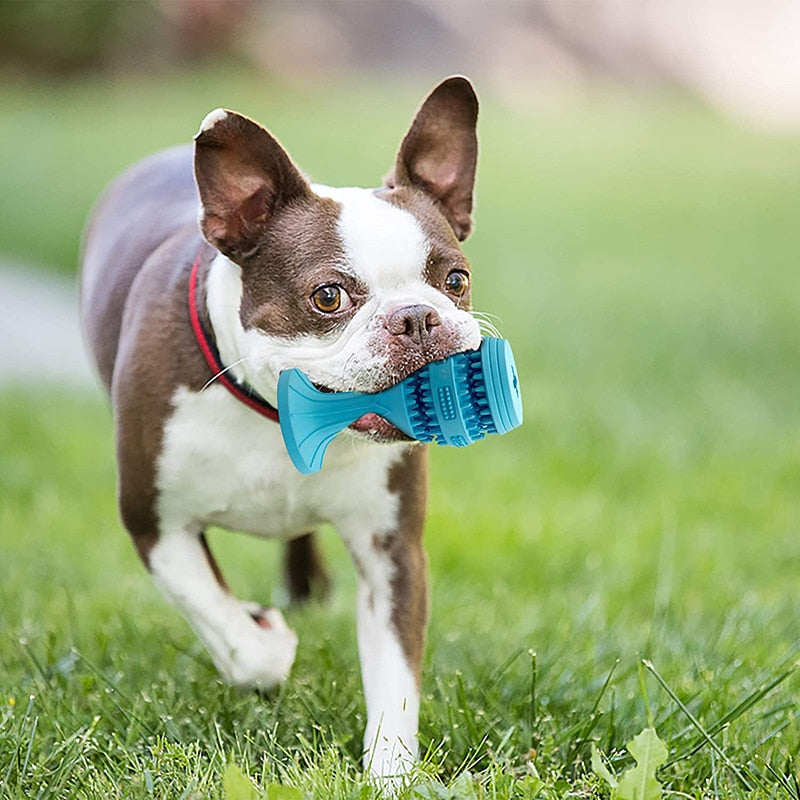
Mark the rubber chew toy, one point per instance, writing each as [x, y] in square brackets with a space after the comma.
[456, 401]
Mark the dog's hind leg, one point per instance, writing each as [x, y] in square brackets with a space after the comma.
[250, 645]
[304, 570]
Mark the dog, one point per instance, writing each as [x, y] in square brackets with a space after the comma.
[207, 273]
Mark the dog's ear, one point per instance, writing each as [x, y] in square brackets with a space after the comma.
[440, 151]
[244, 176]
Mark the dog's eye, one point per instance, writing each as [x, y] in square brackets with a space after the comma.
[457, 283]
[330, 298]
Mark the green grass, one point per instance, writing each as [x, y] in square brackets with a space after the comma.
[642, 257]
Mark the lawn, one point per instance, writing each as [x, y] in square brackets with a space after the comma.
[628, 558]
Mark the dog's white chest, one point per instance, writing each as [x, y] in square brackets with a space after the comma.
[223, 464]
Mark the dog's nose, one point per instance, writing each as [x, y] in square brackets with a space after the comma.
[415, 322]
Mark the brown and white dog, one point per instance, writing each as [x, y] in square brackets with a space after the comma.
[356, 287]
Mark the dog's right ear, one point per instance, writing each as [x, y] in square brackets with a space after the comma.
[243, 176]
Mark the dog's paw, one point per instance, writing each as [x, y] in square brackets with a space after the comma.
[264, 651]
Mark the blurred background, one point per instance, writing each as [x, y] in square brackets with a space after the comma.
[737, 55]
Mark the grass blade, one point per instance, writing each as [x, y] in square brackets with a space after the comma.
[701, 730]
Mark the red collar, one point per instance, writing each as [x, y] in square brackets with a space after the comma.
[212, 357]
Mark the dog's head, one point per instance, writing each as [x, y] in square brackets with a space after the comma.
[356, 287]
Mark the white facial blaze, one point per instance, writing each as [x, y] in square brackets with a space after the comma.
[384, 245]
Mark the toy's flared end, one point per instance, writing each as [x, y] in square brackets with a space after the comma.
[311, 419]
[299, 430]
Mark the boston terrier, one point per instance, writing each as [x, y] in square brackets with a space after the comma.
[207, 273]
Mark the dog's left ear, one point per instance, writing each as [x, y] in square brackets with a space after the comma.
[244, 177]
[440, 151]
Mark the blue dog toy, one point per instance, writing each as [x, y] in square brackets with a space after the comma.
[456, 401]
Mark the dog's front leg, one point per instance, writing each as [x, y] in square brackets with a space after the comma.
[251, 646]
[391, 629]
[392, 618]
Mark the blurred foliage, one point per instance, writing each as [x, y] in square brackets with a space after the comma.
[51, 37]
